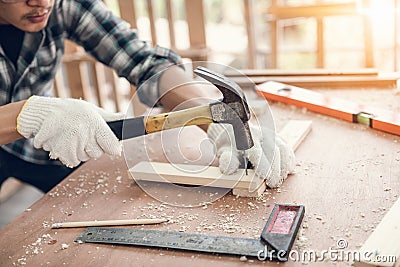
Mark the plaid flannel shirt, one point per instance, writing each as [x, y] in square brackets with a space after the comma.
[106, 37]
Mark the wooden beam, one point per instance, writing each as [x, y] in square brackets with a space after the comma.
[295, 131]
[368, 38]
[196, 23]
[59, 88]
[244, 185]
[330, 82]
[190, 175]
[320, 43]
[127, 10]
[152, 20]
[251, 44]
[171, 23]
[307, 72]
[274, 36]
[383, 243]
[262, 187]
[73, 70]
[286, 12]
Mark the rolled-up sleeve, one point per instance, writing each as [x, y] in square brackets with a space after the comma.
[111, 41]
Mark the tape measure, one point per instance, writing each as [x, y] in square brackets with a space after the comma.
[274, 243]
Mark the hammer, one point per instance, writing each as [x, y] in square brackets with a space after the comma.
[231, 109]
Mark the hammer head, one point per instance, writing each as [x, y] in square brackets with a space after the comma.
[232, 109]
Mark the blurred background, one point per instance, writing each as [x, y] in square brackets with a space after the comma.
[261, 38]
[285, 34]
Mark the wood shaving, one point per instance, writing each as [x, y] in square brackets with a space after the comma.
[34, 248]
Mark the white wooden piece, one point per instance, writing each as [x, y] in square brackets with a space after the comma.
[190, 175]
[243, 185]
[295, 131]
[384, 242]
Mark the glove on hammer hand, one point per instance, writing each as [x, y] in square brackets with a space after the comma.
[72, 130]
[267, 147]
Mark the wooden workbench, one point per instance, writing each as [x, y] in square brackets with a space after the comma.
[347, 176]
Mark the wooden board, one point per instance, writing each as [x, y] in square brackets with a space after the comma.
[294, 133]
[384, 242]
[331, 82]
[190, 175]
[310, 72]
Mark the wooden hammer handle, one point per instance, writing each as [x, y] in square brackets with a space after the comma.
[192, 116]
[138, 126]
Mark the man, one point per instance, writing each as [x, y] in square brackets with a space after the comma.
[40, 133]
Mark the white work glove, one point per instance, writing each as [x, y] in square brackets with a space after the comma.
[72, 130]
[273, 160]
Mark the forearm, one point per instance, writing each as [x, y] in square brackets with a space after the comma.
[8, 117]
[178, 91]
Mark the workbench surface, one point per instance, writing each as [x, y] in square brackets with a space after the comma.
[347, 176]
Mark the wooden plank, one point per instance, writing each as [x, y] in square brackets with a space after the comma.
[383, 243]
[74, 78]
[320, 43]
[59, 88]
[330, 82]
[87, 93]
[251, 44]
[73, 71]
[285, 12]
[152, 20]
[368, 38]
[190, 175]
[307, 72]
[127, 10]
[196, 24]
[171, 23]
[210, 175]
[295, 131]
[250, 193]
[274, 33]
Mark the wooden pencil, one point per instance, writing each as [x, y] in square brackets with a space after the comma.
[107, 223]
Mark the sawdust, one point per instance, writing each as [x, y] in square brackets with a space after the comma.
[301, 242]
[35, 248]
[88, 182]
[243, 258]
